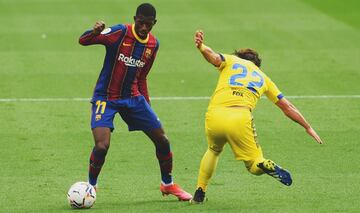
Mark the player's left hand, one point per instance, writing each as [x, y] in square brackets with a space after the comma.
[199, 38]
[98, 27]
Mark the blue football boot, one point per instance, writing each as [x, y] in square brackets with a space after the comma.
[275, 171]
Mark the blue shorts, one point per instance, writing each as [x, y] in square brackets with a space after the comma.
[135, 111]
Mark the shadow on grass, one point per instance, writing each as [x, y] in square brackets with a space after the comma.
[134, 206]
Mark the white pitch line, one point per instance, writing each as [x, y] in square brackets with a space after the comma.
[181, 98]
[173, 98]
[289, 97]
[42, 99]
[323, 96]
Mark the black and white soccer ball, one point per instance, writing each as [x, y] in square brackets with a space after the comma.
[81, 195]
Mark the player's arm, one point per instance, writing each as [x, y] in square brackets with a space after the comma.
[142, 85]
[211, 56]
[94, 36]
[142, 80]
[293, 113]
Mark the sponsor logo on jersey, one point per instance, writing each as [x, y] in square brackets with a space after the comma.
[237, 93]
[130, 61]
[126, 44]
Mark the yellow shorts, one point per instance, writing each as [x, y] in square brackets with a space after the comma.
[233, 125]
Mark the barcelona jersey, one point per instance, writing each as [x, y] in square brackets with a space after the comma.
[127, 62]
[241, 83]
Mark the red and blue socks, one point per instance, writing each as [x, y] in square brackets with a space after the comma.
[97, 159]
[164, 156]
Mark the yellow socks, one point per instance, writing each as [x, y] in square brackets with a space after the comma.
[207, 168]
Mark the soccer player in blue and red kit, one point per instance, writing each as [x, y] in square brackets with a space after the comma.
[121, 88]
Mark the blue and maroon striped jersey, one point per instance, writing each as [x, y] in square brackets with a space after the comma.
[127, 62]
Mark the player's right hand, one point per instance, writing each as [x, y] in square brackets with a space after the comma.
[313, 134]
[199, 38]
[98, 27]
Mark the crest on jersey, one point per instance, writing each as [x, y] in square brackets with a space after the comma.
[106, 31]
[148, 53]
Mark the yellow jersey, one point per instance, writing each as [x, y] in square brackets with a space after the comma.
[241, 83]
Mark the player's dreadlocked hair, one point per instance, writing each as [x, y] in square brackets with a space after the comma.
[249, 54]
[146, 9]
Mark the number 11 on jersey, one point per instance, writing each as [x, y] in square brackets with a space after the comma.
[102, 105]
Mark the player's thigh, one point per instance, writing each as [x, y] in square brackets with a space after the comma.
[241, 135]
[214, 131]
[140, 116]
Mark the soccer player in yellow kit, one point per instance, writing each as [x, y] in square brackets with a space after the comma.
[229, 117]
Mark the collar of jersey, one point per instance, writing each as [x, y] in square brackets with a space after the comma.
[137, 37]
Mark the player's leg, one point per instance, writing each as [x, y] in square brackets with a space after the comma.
[244, 144]
[102, 125]
[165, 158]
[208, 164]
[257, 165]
[97, 156]
[242, 137]
[140, 116]
[251, 166]
[163, 153]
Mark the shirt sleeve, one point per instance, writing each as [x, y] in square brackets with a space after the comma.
[272, 92]
[225, 60]
[107, 37]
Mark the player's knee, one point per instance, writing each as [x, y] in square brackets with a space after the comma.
[101, 138]
[157, 136]
[161, 141]
[164, 141]
[102, 145]
[162, 146]
[215, 150]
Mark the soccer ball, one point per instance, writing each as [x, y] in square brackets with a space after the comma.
[81, 195]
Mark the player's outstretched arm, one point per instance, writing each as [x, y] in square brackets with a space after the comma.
[207, 52]
[292, 112]
[92, 36]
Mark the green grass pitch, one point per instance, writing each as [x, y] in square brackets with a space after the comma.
[309, 48]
